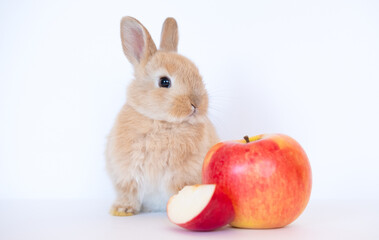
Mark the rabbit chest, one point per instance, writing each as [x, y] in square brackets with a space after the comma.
[165, 154]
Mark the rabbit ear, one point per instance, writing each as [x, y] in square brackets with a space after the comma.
[169, 35]
[136, 41]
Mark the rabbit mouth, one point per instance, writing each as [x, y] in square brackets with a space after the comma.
[185, 110]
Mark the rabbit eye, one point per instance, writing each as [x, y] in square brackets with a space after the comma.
[164, 82]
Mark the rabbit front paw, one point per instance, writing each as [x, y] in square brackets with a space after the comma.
[122, 210]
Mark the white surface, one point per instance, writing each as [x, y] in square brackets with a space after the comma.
[308, 69]
[89, 220]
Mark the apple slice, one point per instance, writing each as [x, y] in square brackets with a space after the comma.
[202, 207]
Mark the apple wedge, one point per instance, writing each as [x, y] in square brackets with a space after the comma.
[202, 207]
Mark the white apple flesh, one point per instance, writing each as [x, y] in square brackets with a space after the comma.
[202, 207]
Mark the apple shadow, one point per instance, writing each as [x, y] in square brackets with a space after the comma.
[225, 229]
[179, 230]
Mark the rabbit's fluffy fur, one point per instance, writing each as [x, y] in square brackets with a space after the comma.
[161, 135]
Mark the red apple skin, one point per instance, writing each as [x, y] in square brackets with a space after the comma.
[218, 213]
[269, 180]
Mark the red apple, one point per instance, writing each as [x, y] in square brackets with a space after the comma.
[267, 177]
[200, 208]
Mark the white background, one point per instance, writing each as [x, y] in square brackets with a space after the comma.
[308, 69]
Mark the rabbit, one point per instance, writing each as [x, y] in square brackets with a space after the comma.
[162, 133]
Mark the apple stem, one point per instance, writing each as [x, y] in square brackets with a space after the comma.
[246, 139]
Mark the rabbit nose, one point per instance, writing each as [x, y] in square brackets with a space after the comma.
[194, 109]
[195, 101]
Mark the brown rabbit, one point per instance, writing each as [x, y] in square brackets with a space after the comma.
[162, 133]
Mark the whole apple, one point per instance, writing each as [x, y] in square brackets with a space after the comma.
[267, 177]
